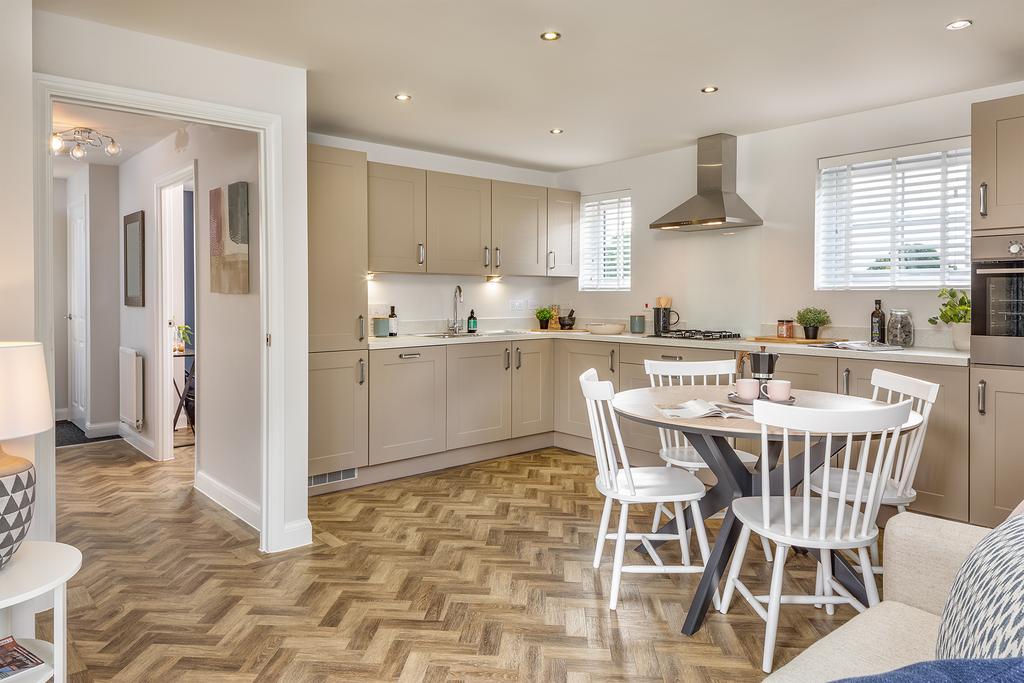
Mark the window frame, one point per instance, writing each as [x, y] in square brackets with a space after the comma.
[624, 281]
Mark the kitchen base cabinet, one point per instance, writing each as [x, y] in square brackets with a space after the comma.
[997, 450]
[479, 393]
[572, 359]
[338, 411]
[407, 403]
[533, 410]
[942, 475]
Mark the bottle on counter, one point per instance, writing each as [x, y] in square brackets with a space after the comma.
[471, 322]
[393, 323]
[878, 323]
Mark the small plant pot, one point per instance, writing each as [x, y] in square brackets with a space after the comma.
[810, 332]
[543, 324]
[961, 336]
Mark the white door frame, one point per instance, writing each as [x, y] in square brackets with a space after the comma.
[275, 532]
[164, 440]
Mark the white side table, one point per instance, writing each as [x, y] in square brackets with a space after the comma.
[40, 567]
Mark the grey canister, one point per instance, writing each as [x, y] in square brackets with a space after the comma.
[637, 324]
[380, 327]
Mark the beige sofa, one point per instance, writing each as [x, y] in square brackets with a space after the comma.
[922, 556]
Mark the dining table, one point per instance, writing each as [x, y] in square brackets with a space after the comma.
[713, 439]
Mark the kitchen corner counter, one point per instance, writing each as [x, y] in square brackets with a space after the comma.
[932, 356]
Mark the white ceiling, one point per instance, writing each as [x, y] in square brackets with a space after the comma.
[622, 82]
[134, 132]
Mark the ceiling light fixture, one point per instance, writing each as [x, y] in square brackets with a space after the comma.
[958, 24]
[556, 131]
[550, 36]
[80, 139]
[403, 97]
[708, 89]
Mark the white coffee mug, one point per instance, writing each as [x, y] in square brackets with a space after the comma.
[748, 389]
[778, 389]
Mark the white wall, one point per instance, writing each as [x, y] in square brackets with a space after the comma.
[761, 274]
[427, 299]
[104, 297]
[89, 51]
[60, 296]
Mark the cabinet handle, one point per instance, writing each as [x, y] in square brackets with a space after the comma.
[519, 357]
[551, 260]
[846, 381]
[405, 356]
[362, 327]
[664, 357]
[497, 257]
[487, 257]
[362, 371]
[611, 361]
[982, 386]
[421, 254]
[508, 358]
[983, 200]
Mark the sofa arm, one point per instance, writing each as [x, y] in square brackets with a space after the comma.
[922, 557]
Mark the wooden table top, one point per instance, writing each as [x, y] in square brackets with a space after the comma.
[639, 405]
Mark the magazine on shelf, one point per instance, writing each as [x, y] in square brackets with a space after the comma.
[14, 658]
[698, 407]
[858, 346]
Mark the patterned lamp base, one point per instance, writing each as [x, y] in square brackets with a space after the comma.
[17, 500]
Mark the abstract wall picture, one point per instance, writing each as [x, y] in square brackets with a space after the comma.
[229, 239]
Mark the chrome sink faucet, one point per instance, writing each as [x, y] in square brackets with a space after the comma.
[455, 324]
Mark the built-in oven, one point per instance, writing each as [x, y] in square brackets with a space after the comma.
[997, 299]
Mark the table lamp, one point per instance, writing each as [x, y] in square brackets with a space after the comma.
[25, 410]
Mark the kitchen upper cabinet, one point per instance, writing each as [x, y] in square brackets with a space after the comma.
[563, 233]
[572, 358]
[407, 403]
[519, 227]
[533, 410]
[336, 187]
[458, 224]
[338, 411]
[479, 393]
[997, 450]
[941, 481]
[997, 164]
[397, 213]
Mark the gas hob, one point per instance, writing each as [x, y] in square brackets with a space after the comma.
[708, 335]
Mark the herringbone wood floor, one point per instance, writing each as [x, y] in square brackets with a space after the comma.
[480, 573]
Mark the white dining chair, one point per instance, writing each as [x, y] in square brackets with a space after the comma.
[899, 492]
[620, 482]
[871, 438]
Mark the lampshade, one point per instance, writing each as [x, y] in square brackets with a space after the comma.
[25, 407]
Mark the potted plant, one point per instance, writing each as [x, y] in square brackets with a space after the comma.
[812, 319]
[182, 338]
[543, 316]
[955, 311]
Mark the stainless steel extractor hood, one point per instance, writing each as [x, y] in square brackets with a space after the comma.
[716, 204]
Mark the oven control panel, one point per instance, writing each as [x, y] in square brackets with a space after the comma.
[997, 247]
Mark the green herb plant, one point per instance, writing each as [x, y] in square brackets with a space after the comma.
[955, 307]
[813, 317]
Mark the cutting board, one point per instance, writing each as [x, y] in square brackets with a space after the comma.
[561, 330]
[792, 340]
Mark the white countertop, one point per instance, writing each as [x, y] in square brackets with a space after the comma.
[912, 355]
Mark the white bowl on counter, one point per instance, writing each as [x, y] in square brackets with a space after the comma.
[606, 328]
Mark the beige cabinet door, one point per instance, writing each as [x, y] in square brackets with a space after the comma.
[479, 393]
[458, 224]
[519, 227]
[397, 214]
[997, 449]
[572, 358]
[941, 481]
[407, 403]
[338, 411]
[336, 185]
[533, 394]
[563, 233]
[997, 164]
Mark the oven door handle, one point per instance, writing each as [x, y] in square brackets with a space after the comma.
[999, 271]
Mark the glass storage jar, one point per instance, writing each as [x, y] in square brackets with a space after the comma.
[900, 328]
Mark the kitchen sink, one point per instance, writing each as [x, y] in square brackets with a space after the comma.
[459, 335]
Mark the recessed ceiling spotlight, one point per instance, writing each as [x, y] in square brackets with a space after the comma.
[556, 131]
[550, 36]
[708, 89]
[403, 97]
[958, 24]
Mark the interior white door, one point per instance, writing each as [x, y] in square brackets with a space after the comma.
[78, 312]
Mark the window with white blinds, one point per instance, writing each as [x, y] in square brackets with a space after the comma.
[897, 218]
[605, 229]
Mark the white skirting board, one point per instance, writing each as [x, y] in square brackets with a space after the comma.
[137, 441]
[228, 498]
[60, 414]
[94, 430]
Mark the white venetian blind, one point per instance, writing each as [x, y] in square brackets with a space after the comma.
[896, 218]
[605, 228]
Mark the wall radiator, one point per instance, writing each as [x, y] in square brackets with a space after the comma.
[130, 364]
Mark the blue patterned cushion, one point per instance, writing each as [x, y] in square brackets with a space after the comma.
[984, 614]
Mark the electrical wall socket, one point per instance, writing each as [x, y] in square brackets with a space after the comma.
[516, 305]
[379, 310]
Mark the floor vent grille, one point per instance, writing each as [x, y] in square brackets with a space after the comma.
[331, 477]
